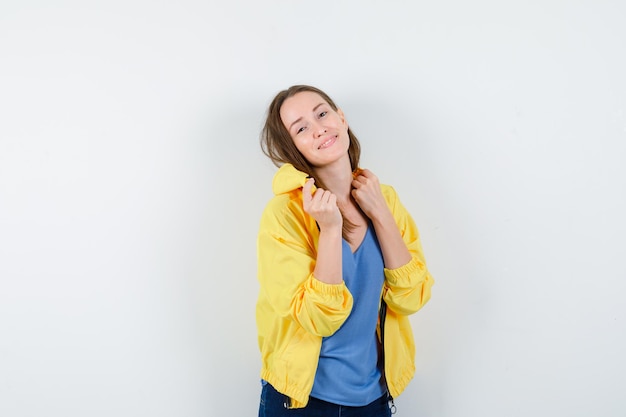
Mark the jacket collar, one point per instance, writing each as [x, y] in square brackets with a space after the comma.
[288, 179]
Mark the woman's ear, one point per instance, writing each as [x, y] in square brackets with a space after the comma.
[343, 117]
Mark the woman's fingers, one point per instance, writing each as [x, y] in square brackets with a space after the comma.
[306, 190]
[366, 192]
[323, 200]
[321, 205]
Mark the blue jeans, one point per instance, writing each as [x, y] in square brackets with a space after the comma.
[273, 405]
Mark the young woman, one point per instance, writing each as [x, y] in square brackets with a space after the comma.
[339, 258]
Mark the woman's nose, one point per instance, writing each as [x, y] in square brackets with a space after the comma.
[319, 129]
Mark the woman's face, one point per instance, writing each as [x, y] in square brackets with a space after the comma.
[319, 132]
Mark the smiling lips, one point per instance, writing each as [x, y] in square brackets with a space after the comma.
[328, 142]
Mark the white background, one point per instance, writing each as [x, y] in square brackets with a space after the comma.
[131, 185]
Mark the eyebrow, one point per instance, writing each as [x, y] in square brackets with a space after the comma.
[300, 118]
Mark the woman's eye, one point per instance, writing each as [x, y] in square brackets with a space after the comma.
[300, 130]
[322, 114]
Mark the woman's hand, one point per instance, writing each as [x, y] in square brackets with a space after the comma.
[322, 206]
[366, 192]
[368, 195]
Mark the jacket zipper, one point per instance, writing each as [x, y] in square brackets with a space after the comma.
[382, 316]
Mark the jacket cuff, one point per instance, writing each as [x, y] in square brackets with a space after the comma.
[326, 289]
[406, 270]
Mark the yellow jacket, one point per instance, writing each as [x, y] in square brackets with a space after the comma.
[295, 311]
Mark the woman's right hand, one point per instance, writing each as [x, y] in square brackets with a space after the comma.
[322, 206]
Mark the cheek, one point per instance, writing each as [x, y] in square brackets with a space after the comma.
[301, 144]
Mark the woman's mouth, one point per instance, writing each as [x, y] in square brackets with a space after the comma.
[328, 142]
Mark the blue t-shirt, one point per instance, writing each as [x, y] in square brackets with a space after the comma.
[348, 372]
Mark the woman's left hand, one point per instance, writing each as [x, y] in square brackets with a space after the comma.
[366, 192]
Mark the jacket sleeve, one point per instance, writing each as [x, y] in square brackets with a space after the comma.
[286, 260]
[407, 288]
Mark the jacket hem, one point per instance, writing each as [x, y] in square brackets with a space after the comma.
[298, 397]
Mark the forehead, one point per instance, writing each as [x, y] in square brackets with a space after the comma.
[299, 104]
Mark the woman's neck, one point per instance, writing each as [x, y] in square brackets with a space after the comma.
[338, 180]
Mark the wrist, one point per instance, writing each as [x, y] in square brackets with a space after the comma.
[330, 229]
[382, 216]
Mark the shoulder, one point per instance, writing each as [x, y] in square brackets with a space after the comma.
[283, 211]
[389, 193]
[289, 201]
